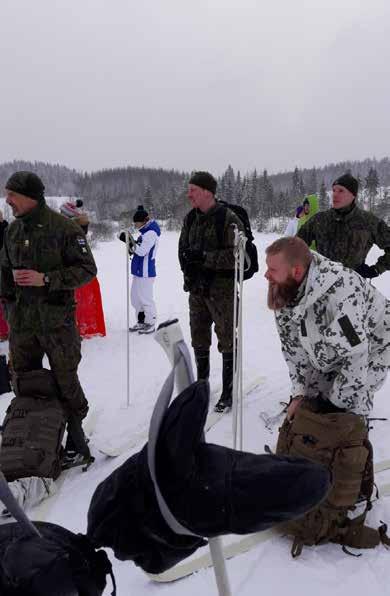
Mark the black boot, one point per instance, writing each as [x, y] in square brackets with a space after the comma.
[141, 317]
[202, 358]
[225, 401]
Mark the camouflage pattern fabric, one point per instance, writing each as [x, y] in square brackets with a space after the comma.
[336, 340]
[217, 308]
[211, 284]
[42, 319]
[47, 242]
[347, 237]
[62, 347]
[199, 232]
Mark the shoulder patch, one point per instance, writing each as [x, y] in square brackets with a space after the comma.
[81, 241]
[349, 331]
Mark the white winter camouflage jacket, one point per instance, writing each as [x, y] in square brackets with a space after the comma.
[336, 340]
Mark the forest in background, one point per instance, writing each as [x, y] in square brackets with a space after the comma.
[112, 195]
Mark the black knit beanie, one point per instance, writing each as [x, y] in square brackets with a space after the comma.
[140, 215]
[349, 182]
[204, 180]
[27, 184]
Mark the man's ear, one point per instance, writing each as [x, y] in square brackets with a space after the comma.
[298, 272]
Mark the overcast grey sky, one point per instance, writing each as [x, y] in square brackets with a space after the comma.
[194, 84]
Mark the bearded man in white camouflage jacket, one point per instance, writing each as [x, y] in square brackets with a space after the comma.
[334, 327]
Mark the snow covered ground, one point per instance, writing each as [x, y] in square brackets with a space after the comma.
[268, 568]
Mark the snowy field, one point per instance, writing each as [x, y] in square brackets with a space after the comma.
[268, 568]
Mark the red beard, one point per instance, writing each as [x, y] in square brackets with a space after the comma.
[279, 295]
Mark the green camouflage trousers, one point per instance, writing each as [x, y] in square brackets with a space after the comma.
[215, 308]
[62, 347]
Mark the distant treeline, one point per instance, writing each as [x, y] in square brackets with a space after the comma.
[114, 193]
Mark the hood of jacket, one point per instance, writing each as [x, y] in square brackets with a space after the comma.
[314, 208]
[321, 276]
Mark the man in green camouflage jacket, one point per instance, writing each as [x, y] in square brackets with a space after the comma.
[44, 258]
[345, 233]
[208, 268]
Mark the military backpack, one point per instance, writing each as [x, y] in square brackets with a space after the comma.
[251, 258]
[33, 428]
[339, 441]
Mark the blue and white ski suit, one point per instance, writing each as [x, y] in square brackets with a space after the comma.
[143, 270]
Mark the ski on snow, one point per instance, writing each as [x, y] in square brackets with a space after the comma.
[234, 545]
[271, 421]
[231, 548]
[213, 417]
[113, 448]
[382, 466]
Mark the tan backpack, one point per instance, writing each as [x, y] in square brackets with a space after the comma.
[338, 440]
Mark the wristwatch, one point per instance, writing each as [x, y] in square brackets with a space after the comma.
[46, 279]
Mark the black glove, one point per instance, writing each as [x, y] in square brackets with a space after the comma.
[368, 271]
[194, 255]
[122, 237]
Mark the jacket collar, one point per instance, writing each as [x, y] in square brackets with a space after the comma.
[345, 213]
[34, 216]
[210, 212]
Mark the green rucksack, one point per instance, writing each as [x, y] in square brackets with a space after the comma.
[339, 441]
[33, 428]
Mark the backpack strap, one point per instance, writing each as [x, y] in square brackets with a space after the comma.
[220, 218]
[191, 217]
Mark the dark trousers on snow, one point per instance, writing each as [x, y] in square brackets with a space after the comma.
[215, 308]
[62, 347]
[218, 308]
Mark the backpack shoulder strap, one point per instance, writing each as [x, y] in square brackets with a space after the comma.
[190, 217]
[220, 218]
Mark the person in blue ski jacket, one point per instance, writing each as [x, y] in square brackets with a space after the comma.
[143, 270]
